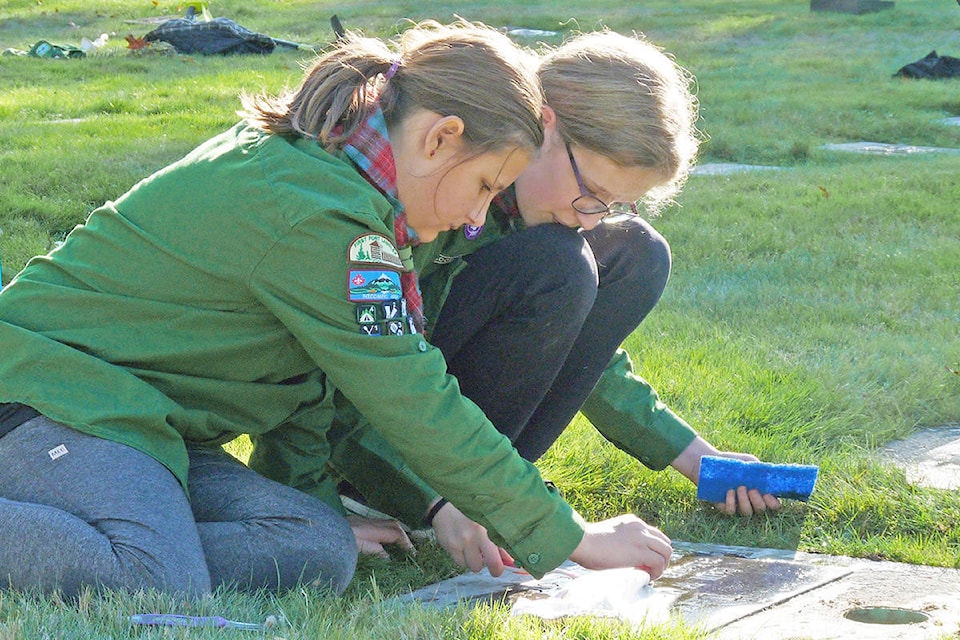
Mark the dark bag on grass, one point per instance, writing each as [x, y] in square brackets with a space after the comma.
[931, 67]
[218, 36]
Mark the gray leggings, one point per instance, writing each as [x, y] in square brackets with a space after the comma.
[79, 510]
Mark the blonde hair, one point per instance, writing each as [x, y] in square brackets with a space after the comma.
[623, 98]
[463, 69]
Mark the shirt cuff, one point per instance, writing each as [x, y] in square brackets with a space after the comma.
[551, 542]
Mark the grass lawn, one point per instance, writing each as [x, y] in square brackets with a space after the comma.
[813, 313]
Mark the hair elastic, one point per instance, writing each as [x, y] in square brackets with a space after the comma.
[434, 510]
[392, 70]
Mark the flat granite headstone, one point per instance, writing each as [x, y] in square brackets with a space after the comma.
[850, 6]
[735, 592]
[885, 148]
[930, 457]
[727, 168]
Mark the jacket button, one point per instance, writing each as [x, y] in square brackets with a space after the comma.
[422, 346]
[533, 558]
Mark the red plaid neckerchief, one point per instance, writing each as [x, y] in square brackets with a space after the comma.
[369, 148]
[506, 201]
[505, 211]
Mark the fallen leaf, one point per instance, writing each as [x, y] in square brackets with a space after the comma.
[824, 192]
[135, 44]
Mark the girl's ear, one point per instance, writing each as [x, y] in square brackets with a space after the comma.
[444, 138]
[551, 137]
[548, 117]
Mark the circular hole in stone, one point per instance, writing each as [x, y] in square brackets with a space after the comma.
[885, 615]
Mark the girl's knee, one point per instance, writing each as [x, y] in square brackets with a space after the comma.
[330, 558]
[180, 580]
[560, 259]
[341, 566]
[631, 250]
[186, 576]
[652, 249]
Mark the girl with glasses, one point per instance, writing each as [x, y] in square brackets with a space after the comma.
[530, 310]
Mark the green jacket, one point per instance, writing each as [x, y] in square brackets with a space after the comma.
[623, 406]
[217, 298]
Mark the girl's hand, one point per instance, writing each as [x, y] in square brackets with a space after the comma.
[623, 541]
[373, 533]
[467, 542]
[744, 500]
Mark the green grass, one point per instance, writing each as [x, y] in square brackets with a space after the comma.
[812, 315]
[303, 614]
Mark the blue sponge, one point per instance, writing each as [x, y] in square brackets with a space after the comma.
[717, 475]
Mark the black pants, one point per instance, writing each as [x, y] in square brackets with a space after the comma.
[532, 322]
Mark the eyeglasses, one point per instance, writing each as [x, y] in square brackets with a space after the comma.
[589, 204]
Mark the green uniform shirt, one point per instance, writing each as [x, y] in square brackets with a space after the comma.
[217, 298]
[623, 406]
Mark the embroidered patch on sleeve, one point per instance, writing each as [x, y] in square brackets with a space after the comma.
[393, 309]
[371, 329]
[365, 285]
[369, 313]
[388, 318]
[373, 248]
[396, 327]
